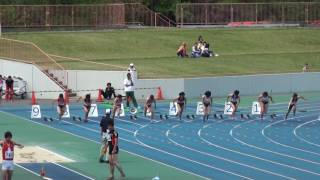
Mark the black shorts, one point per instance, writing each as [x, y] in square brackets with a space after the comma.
[62, 106]
[234, 103]
[291, 106]
[265, 103]
[111, 149]
[87, 107]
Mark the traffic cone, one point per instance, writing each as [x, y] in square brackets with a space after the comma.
[100, 99]
[66, 97]
[33, 98]
[42, 172]
[159, 94]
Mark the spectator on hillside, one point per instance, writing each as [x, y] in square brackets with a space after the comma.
[196, 52]
[9, 88]
[132, 70]
[107, 94]
[182, 50]
[305, 68]
[205, 50]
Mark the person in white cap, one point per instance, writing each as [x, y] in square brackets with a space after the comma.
[132, 70]
[105, 138]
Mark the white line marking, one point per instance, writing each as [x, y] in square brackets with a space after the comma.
[190, 160]
[84, 138]
[56, 154]
[301, 138]
[225, 159]
[76, 172]
[32, 172]
[273, 152]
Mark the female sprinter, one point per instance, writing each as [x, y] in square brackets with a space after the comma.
[182, 102]
[113, 151]
[86, 107]
[263, 100]
[117, 106]
[207, 104]
[293, 104]
[234, 98]
[148, 108]
[61, 108]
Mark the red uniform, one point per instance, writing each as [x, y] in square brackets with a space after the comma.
[7, 151]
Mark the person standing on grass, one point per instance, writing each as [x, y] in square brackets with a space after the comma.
[107, 94]
[61, 108]
[207, 104]
[129, 90]
[264, 100]
[7, 146]
[113, 151]
[105, 138]
[9, 88]
[234, 99]
[293, 104]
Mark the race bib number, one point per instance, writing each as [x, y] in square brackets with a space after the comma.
[228, 108]
[106, 136]
[173, 109]
[121, 112]
[8, 154]
[67, 112]
[35, 112]
[256, 109]
[93, 111]
[200, 108]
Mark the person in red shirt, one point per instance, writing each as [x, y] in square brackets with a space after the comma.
[9, 88]
[7, 146]
[113, 151]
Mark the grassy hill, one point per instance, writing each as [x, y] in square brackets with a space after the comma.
[242, 51]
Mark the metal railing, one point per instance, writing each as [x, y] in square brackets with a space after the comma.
[29, 52]
[80, 16]
[248, 13]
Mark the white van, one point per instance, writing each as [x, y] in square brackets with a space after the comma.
[19, 87]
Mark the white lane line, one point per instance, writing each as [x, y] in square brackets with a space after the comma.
[273, 152]
[97, 142]
[224, 159]
[301, 138]
[187, 159]
[32, 172]
[71, 170]
[285, 145]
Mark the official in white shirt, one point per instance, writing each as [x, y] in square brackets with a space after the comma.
[129, 90]
[132, 70]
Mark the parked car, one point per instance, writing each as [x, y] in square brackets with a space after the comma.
[19, 87]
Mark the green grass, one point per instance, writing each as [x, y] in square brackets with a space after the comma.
[242, 51]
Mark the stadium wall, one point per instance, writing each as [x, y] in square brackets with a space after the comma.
[36, 79]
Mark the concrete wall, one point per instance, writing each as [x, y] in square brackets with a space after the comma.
[194, 87]
[36, 79]
[82, 80]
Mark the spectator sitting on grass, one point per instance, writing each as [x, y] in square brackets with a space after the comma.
[182, 50]
[196, 52]
[305, 68]
[205, 50]
[107, 94]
